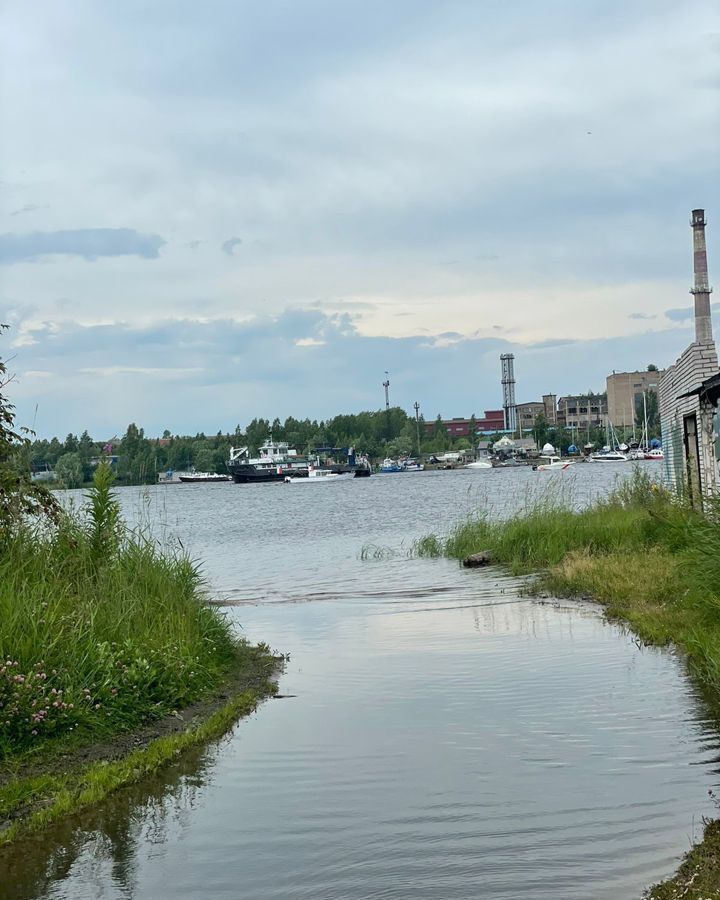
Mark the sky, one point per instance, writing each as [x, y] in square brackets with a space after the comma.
[211, 212]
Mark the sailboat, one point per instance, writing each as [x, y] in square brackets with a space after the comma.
[611, 452]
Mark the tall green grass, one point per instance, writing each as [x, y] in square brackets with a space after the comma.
[639, 514]
[642, 551]
[100, 628]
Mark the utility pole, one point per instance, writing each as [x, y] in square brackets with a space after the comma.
[416, 407]
[386, 385]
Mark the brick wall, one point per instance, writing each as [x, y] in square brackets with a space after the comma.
[697, 363]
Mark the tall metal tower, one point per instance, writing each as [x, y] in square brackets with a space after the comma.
[701, 289]
[507, 367]
[386, 385]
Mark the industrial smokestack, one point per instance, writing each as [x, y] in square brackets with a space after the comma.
[701, 289]
[507, 366]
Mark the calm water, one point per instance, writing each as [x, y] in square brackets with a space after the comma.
[444, 737]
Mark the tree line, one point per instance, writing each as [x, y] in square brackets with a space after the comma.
[138, 459]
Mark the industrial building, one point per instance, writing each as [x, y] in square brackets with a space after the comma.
[527, 414]
[625, 394]
[582, 411]
[492, 422]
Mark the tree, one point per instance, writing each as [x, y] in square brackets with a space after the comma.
[652, 368]
[541, 430]
[86, 450]
[69, 470]
[651, 410]
[19, 496]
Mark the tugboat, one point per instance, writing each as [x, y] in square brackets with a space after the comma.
[275, 461]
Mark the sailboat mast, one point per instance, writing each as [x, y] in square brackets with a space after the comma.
[645, 421]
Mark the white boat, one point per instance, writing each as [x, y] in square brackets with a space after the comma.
[203, 477]
[656, 453]
[479, 464]
[412, 465]
[609, 456]
[319, 476]
[553, 464]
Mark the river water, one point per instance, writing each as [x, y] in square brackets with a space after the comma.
[440, 736]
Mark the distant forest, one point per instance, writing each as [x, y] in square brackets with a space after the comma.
[139, 458]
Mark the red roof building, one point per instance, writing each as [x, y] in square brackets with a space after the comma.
[492, 421]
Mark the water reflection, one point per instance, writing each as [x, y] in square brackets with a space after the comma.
[104, 842]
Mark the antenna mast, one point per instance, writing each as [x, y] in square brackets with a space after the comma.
[507, 364]
[416, 407]
[386, 385]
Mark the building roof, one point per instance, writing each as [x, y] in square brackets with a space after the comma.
[709, 388]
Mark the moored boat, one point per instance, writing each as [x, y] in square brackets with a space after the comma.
[609, 456]
[320, 476]
[389, 466]
[655, 453]
[274, 462]
[204, 477]
[553, 464]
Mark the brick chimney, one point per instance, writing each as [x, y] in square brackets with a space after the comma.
[701, 289]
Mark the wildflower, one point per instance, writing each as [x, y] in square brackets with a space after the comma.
[34, 731]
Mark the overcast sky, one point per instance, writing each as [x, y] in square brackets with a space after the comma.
[212, 211]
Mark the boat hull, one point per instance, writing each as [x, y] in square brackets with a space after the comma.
[332, 478]
[251, 475]
[199, 480]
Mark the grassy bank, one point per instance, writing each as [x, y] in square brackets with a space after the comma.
[29, 803]
[99, 629]
[652, 561]
[101, 632]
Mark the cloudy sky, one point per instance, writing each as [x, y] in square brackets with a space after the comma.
[214, 211]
